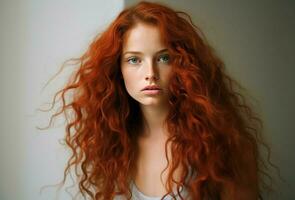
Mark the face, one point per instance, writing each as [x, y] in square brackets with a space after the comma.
[145, 62]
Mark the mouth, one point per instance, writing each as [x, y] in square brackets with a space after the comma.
[151, 91]
[152, 87]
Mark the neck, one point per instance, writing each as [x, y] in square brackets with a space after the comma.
[154, 118]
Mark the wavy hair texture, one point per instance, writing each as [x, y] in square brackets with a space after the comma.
[212, 128]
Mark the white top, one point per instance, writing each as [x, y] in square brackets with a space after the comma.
[138, 195]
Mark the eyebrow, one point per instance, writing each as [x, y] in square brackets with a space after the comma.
[138, 52]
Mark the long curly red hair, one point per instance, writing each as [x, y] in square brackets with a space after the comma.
[212, 128]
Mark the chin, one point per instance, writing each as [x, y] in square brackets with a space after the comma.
[150, 102]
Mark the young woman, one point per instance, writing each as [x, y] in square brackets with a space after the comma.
[154, 115]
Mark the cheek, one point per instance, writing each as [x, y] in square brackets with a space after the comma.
[128, 84]
[166, 75]
[129, 80]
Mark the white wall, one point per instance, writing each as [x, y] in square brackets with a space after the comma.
[36, 37]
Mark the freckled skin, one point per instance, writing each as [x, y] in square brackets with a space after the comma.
[137, 67]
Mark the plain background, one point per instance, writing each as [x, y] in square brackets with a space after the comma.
[254, 38]
[36, 38]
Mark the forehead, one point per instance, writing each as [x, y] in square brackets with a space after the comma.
[143, 37]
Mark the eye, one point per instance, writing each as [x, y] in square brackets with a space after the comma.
[164, 58]
[133, 60]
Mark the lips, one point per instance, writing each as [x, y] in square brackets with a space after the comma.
[151, 87]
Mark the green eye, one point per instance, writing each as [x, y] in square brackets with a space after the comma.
[165, 58]
[132, 60]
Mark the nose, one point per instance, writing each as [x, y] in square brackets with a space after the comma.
[151, 73]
